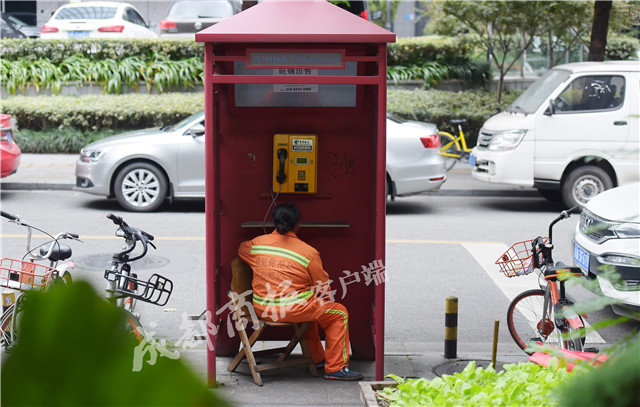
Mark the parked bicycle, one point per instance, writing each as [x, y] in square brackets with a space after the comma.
[454, 148]
[124, 288]
[543, 315]
[25, 274]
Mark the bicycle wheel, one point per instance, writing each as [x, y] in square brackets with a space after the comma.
[524, 319]
[574, 342]
[9, 324]
[134, 327]
[7, 328]
[571, 335]
[449, 149]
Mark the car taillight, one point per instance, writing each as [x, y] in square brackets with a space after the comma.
[430, 141]
[46, 29]
[168, 25]
[364, 15]
[111, 29]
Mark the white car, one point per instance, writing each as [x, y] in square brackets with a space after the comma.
[414, 163]
[609, 235]
[144, 168]
[97, 19]
[187, 17]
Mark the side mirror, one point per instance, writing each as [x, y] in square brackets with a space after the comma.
[551, 110]
[197, 130]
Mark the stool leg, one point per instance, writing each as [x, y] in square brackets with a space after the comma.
[299, 334]
[241, 355]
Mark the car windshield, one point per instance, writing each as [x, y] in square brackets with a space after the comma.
[538, 92]
[86, 13]
[200, 9]
[184, 123]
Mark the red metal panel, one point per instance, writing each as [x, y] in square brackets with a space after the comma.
[380, 204]
[210, 204]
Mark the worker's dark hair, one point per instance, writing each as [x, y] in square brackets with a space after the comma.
[285, 217]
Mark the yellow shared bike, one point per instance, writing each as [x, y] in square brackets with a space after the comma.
[454, 148]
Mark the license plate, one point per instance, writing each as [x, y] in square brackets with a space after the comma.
[581, 257]
[78, 34]
[472, 160]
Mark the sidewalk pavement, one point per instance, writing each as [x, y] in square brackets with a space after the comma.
[57, 172]
[294, 386]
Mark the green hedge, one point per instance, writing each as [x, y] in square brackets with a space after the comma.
[156, 72]
[406, 51]
[95, 112]
[57, 51]
[63, 124]
[421, 50]
[167, 65]
[621, 48]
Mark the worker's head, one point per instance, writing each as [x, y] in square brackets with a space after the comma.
[285, 217]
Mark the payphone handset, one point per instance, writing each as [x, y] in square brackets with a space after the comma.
[294, 163]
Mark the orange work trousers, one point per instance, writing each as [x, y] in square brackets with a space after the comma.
[331, 316]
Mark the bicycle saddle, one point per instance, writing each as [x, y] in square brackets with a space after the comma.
[60, 252]
[457, 121]
[550, 271]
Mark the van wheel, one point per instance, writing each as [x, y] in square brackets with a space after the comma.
[140, 187]
[583, 183]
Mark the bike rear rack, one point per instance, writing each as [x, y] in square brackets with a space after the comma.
[156, 290]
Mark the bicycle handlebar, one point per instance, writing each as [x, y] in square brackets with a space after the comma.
[132, 235]
[61, 235]
[541, 250]
[9, 216]
[563, 215]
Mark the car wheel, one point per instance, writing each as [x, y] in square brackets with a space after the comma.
[140, 187]
[583, 183]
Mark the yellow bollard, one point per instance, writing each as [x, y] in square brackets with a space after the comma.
[496, 329]
[451, 328]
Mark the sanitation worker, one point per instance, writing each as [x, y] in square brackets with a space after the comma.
[286, 275]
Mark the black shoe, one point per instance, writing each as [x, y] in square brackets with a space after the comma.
[320, 365]
[343, 374]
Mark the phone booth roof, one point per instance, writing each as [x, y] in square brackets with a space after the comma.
[306, 21]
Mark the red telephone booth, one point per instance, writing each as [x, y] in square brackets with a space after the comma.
[308, 78]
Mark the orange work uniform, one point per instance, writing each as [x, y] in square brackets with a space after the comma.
[285, 271]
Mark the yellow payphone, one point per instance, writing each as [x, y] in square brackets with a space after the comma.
[294, 163]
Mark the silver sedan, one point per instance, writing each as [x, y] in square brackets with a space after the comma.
[144, 168]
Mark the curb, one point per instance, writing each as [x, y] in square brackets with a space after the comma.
[526, 193]
[34, 186]
[47, 186]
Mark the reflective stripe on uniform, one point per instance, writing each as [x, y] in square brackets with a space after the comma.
[345, 352]
[278, 251]
[288, 300]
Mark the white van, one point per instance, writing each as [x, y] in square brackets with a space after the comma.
[572, 134]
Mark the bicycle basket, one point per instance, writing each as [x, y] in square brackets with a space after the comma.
[156, 290]
[518, 259]
[23, 275]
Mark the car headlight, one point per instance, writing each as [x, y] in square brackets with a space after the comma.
[506, 140]
[90, 156]
[627, 230]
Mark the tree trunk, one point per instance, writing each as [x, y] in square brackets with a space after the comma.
[599, 29]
